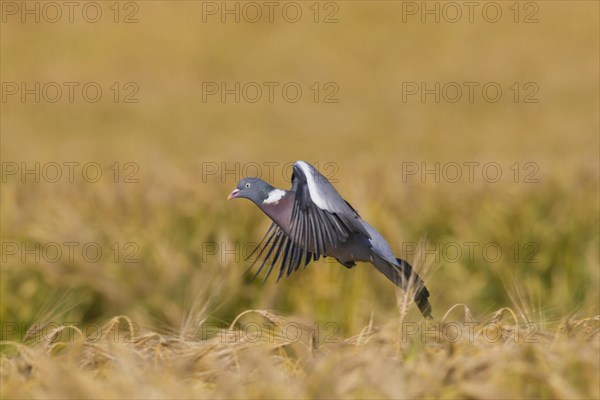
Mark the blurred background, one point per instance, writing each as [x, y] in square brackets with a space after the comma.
[125, 125]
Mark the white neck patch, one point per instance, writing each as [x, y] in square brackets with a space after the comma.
[274, 196]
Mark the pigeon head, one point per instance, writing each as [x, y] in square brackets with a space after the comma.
[253, 189]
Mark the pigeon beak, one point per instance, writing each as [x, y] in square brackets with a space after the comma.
[233, 194]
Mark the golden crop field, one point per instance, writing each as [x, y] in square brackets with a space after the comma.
[467, 133]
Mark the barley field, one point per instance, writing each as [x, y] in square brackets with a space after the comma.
[467, 133]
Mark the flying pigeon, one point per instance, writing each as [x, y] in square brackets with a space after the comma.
[311, 221]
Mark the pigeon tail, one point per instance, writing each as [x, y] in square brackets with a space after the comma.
[403, 276]
[411, 278]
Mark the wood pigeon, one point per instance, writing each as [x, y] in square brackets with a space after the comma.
[311, 221]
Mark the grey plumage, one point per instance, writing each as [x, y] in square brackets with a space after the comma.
[311, 221]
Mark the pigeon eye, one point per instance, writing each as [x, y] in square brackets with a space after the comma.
[247, 185]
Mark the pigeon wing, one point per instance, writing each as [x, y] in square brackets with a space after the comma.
[321, 218]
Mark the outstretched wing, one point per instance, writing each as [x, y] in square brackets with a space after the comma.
[320, 220]
[275, 248]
